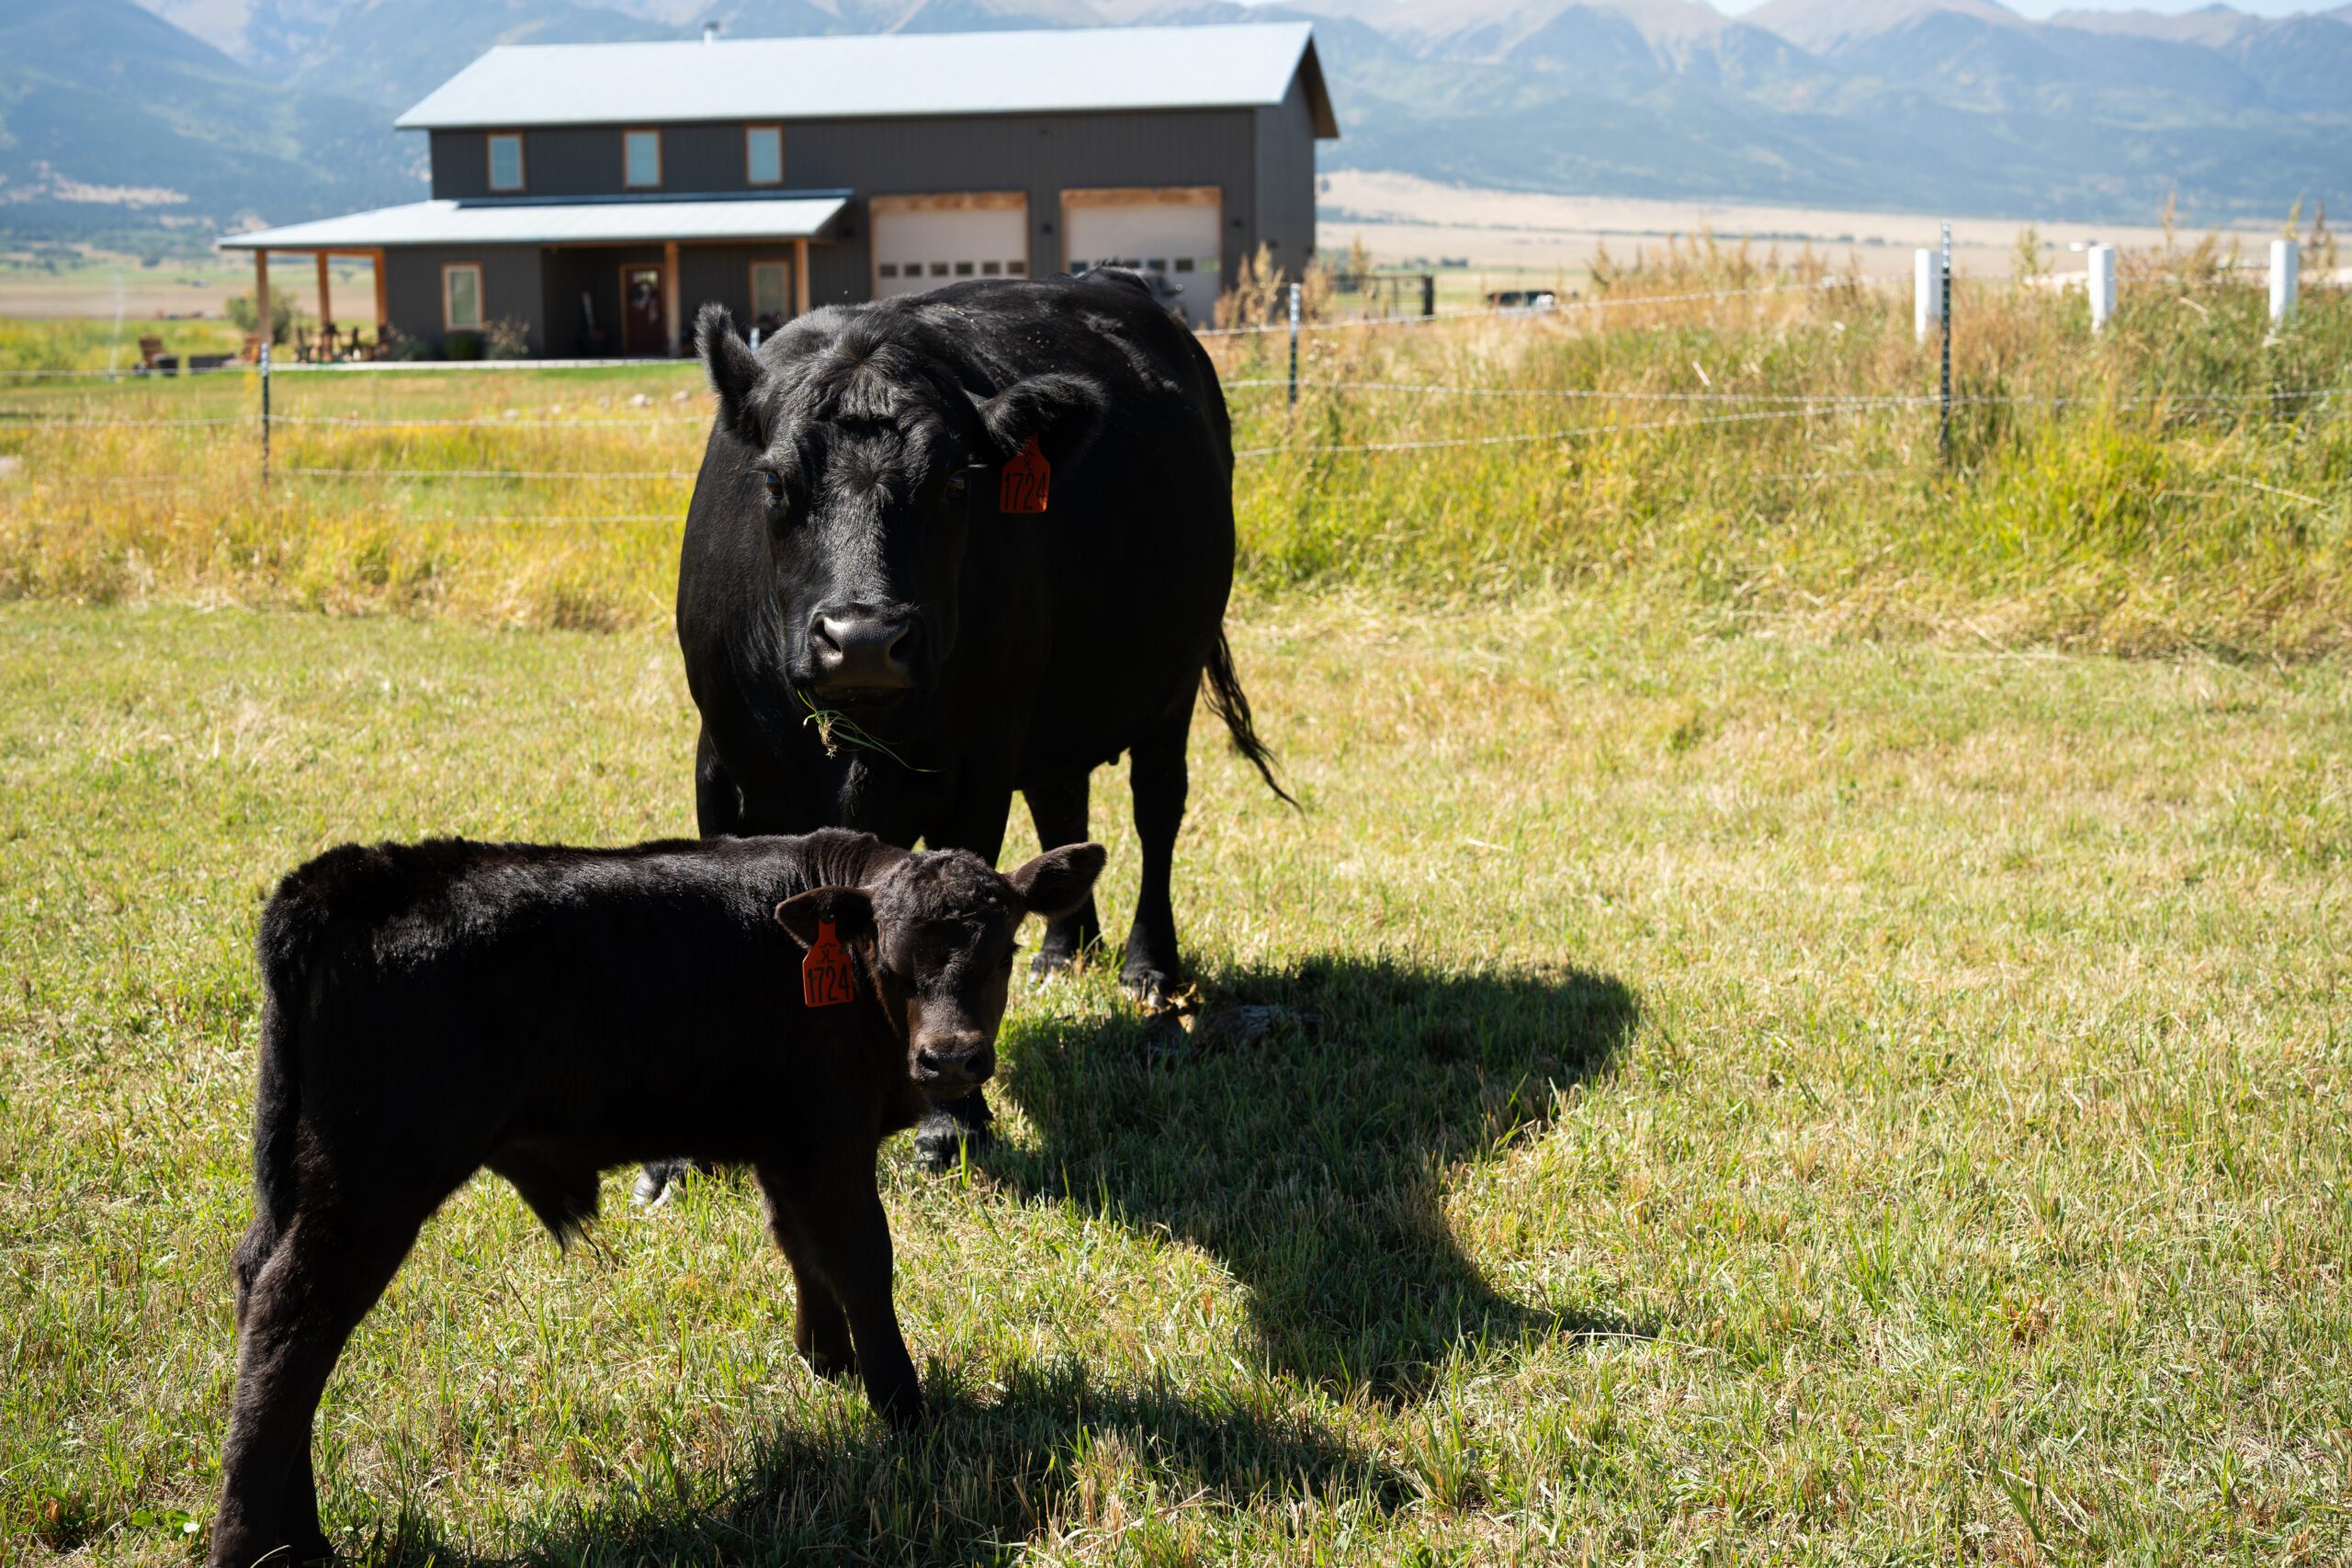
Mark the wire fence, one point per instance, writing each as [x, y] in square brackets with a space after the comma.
[1709, 408]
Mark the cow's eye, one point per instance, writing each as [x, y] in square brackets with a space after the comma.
[960, 488]
[773, 483]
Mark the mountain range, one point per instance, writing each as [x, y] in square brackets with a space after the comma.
[208, 112]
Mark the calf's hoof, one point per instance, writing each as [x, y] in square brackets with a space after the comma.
[833, 1366]
[1154, 989]
[953, 1129]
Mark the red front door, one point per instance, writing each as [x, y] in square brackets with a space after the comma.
[643, 328]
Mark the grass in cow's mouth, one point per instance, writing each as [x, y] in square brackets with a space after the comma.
[1723, 1096]
[836, 729]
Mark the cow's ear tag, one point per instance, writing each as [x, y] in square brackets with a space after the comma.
[827, 979]
[1027, 477]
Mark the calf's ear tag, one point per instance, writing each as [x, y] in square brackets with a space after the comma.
[827, 978]
[1027, 477]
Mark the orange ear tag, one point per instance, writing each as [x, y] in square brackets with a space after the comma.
[1027, 477]
[827, 978]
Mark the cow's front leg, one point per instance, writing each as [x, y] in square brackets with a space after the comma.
[1156, 771]
[1059, 811]
[975, 822]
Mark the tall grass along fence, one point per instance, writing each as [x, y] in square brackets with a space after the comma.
[1777, 446]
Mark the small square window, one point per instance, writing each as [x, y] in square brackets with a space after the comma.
[887, 269]
[1017, 268]
[939, 269]
[764, 155]
[1157, 265]
[989, 269]
[640, 158]
[505, 161]
[1183, 264]
[964, 269]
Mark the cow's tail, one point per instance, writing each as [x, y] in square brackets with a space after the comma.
[1231, 704]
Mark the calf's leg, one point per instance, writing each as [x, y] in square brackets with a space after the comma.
[1059, 811]
[319, 1281]
[837, 1224]
[1157, 772]
[820, 1328]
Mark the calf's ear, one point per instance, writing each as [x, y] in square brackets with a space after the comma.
[1058, 882]
[847, 909]
[1061, 414]
[734, 372]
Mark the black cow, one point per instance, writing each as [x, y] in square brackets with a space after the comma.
[953, 545]
[433, 1009]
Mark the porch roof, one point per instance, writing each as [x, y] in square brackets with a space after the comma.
[798, 215]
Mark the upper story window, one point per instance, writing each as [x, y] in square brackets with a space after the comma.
[640, 158]
[505, 161]
[764, 155]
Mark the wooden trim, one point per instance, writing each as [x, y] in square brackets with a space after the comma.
[383, 295]
[1143, 196]
[489, 165]
[748, 180]
[670, 326]
[655, 132]
[326, 297]
[1140, 196]
[948, 201]
[801, 276]
[751, 276]
[481, 306]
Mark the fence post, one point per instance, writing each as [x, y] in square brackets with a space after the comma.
[1294, 346]
[265, 405]
[2286, 267]
[1428, 294]
[2102, 285]
[1927, 301]
[1943, 298]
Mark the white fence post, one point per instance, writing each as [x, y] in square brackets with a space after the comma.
[2102, 282]
[1927, 293]
[2286, 268]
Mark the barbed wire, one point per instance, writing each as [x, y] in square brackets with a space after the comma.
[599, 475]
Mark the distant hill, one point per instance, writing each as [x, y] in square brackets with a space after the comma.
[1961, 105]
[110, 117]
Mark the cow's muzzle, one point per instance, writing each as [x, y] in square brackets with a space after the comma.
[865, 650]
[946, 1065]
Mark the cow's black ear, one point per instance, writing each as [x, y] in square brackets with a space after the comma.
[1058, 882]
[734, 371]
[847, 909]
[1060, 412]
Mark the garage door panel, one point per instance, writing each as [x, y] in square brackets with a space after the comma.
[925, 247]
[1178, 239]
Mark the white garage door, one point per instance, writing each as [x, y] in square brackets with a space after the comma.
[1177, 238]
[922, 247]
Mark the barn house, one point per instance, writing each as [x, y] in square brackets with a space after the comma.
[594, 195]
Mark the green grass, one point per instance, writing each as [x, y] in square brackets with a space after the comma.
[2187, 495]
[1770, 1100]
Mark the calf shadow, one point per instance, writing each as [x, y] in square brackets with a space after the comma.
[985, 1479]
[1312, 1161]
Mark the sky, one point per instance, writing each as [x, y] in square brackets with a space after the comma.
[2044, 7]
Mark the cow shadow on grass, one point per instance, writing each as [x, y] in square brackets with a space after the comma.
[1049, 1444]
[1311, 1160]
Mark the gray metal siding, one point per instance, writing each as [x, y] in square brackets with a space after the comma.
[1284, 217]
[511, 289]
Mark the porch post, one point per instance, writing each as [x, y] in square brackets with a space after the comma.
[669, 293]
[261, 294]
[383, 297]
[326, 306]
[800, 278]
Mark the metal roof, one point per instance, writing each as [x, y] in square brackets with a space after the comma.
[804, 215]
[872, 75]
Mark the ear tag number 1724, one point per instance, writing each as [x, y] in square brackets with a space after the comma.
[1024, 485]
[827, 979]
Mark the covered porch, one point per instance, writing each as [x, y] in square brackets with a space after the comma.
[616, 277]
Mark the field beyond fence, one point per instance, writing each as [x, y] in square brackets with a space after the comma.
[2178, 481]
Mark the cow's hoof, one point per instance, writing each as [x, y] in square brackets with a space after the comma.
[833, 1366]
[945, 1139]
[1050, 966]
[1154, 990]
[654, 1185]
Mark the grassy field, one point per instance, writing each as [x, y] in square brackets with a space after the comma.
[1815, 1011]
[1766, 1101]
